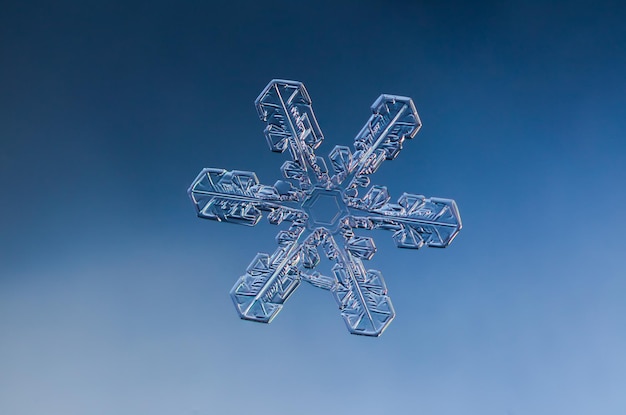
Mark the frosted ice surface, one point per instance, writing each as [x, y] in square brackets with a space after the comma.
[323, 208]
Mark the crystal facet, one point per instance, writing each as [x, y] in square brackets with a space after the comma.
[324, 209]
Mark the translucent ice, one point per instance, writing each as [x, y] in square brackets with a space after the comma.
[323, 208]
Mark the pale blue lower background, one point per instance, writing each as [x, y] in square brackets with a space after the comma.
[114, 297]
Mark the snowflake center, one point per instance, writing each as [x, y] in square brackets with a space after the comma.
[325, 209]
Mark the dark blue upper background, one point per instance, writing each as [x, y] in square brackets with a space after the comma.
[114, 297]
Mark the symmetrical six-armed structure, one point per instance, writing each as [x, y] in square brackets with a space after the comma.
[324, 207]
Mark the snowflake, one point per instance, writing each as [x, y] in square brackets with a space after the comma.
[324, 208]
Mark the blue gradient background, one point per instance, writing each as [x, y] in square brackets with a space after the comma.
[114, 296]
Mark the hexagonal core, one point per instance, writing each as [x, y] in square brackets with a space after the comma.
[324, 207]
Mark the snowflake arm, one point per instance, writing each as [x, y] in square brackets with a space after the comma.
[394, 119]
[415, 220]
[285, 106]
[270, 280]
[238, 197]
[361, 294]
